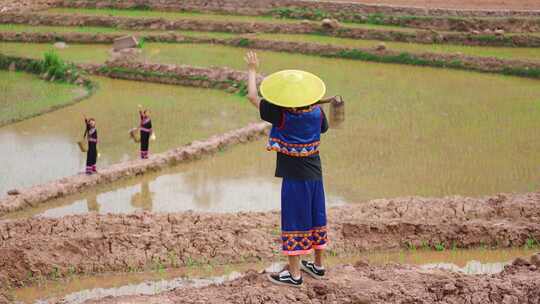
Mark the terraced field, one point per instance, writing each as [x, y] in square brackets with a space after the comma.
[421, 121]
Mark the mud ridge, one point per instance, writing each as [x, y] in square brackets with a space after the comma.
[257, 7]
[131, 23]
[44, 247]
[364, 283]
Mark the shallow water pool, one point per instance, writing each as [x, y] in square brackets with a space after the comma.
[44, 148]
[409, 130]
[78, 289]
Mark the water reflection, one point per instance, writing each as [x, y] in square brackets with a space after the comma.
[472, 267]
[143, 199]
[409, 130]
[179, 192]
[43, 148]
[78, 289]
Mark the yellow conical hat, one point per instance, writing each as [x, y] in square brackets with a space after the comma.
[292, 88]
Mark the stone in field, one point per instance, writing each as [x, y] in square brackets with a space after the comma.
[499, 32]
[380, 47]
[13, 192]
[12, 67]
[126, 42]
[330, 23]
[60, 45]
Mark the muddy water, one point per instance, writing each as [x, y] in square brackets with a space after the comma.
[44, 148]
[212, 184]
[412, 130]
[79, 288]
[409, 131]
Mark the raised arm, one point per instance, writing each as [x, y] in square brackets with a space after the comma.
[252, 63]
[85, 126]
[140, 108]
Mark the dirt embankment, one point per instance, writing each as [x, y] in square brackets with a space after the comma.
[41, 247]
[526, 5]
[461, 8]
[364, 283]
[131, 23]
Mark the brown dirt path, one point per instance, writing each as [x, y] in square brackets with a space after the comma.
[363, 283]
[458, 4]
[37, 247]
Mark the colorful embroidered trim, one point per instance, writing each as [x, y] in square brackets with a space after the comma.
[281, 142]
[302, 242]
[302, 111]
[301, 151]
[145, 130]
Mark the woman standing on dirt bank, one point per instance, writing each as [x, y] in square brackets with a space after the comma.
[146, 131]
[289, 104]
[91, 153]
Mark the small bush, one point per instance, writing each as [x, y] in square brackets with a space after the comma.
[141, 7]
[376, 19]
[142, 42]
[244, 42]
[299, 13]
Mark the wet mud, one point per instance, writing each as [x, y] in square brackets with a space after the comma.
[365, 283]
[41, 247]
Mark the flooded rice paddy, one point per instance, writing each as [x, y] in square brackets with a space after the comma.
[168, 15]
[77, 289]
[44, 148]
[499, 52]
[24, 95]
[409, 131]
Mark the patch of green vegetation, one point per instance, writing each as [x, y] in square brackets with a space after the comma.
[523, 72]
[376, 19]
[298, 13]
[410, 246]
[243, 42]
[493, 38]
[440, 247]
[141, 42]
[531, 243]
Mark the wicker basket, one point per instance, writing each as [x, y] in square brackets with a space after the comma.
[83, 146]
[133, 134]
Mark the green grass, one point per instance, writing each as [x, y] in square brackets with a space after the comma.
[25, 95]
